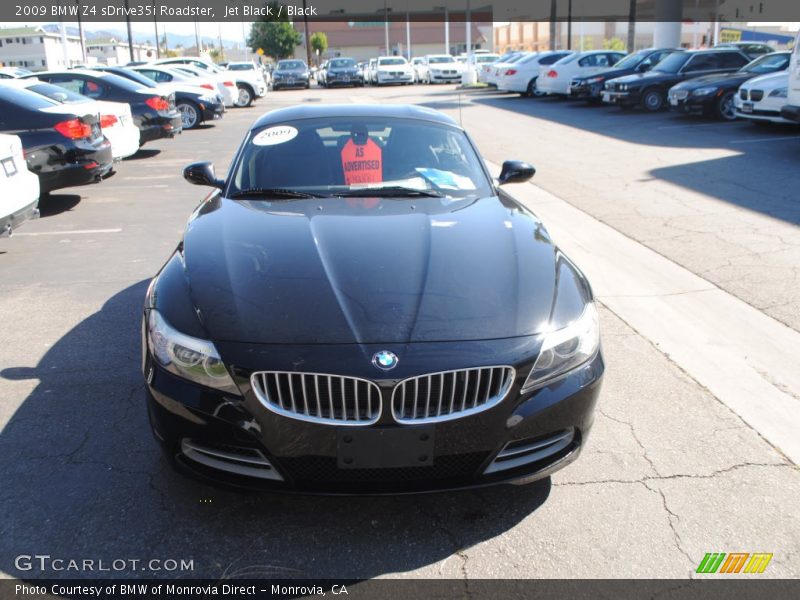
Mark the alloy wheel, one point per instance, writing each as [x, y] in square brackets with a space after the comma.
[189, 116]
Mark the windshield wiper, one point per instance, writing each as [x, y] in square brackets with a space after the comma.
[281, 193]
[396, 191]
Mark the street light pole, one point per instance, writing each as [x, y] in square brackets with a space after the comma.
[386, 26]
[155, 27]
[80, 33]
[408, 34]
[308, 41]
[130, 35]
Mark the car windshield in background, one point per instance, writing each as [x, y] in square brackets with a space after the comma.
[241, 67]
[291, 65]
[767, 63]
[441, 59]
[348, 156]
[342, 63]
[486, 59]
[672, 63]
[58, 93]
[391, 61]
[630, 61]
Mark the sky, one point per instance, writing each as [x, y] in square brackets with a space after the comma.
[230, 31]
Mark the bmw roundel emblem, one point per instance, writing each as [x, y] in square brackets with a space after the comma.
[385, 360]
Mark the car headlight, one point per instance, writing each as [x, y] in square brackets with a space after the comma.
[209, 99]
[186, 356]
[705, 91]
[623, 87]
[779, 93]
[564, 349]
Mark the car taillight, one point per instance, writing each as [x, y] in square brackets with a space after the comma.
[208, 86]
[511, 72]
[107, 121]
[74, 129]
[552, 73]
[229, 84]
[157, 103]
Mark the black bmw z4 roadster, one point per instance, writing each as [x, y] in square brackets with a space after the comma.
[359, 308]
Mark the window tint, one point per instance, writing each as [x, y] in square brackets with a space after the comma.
[57, 93]
[731, 60]
[594, 60]
[13, 97]
[702, 62]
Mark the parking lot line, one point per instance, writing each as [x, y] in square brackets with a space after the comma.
[760, 140]
[68, 232]
[747, 359]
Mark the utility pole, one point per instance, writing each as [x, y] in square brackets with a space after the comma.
[130, 35]
[569, 25]
[386, 26]
[308, 41]
[80, 33]
[408, 34]
[632, 26]
[553, 11]
[155, 26]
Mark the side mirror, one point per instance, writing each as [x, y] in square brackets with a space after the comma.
[643, 67]
[515, 171]
[202, 173]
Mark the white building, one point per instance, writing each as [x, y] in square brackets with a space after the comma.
[38, 50]
[111, 51]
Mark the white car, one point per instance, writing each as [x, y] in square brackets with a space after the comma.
[500, 66]
[761, 98]
[555, 78]
[489, 62]
[249, 80]
[116, 120]
[19, 188]
[393, 69]
[521, 76]
[442, 68]
[420, 69]
[226, 84]
[13, 72]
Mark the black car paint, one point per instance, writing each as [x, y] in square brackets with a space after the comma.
[58, 160]
[152, 124]
[581, 88]
[439, 301]
[208, 110]
[337, 76]
[287, 78]
[660, 81]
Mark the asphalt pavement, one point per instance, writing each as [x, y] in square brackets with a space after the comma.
[669, 473]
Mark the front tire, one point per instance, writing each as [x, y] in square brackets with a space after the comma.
[190, 114]
[245, 96]
[653, 100]
[725, 108]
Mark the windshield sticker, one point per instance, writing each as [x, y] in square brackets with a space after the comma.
[446, 180]
[362, 163]
[275, 135]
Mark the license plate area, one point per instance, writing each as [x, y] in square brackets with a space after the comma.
[747, 107]
[9, 166]
[384, 447]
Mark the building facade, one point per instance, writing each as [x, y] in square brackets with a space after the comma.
[110, 51]
[35, 49]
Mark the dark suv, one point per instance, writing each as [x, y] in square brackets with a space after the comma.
[649, 90]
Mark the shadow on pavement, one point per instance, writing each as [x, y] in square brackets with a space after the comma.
[81, 477]
[760, 176]
[143, 153]
[54, 204]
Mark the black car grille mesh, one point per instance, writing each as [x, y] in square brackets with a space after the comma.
[322, 469]
[756, 95]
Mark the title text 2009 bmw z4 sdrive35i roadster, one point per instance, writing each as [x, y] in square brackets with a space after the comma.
[358, 308]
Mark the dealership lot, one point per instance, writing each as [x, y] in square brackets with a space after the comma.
[670, 471]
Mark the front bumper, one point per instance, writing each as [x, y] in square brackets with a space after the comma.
[627, 98]
[332, 80]
[304, 456]
[382, 79]
[692, 104]
[298, 82]
[446, 77]
[212, 110]
[585, 90]
[791, 112]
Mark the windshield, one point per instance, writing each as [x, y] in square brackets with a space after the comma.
[440, 59]
[241, 67]
[673, 62]
[632, 60]
[391, 61]
[350, 155]
[489, 58]
[342, 63]
[58, 93]
[134, 76]
[767, 63]
[291, 65]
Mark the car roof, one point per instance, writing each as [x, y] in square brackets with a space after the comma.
[392, 111]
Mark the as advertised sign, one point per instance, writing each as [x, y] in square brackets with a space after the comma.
[362, 163]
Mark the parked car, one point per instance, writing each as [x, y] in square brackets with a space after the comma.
[420, 68]
[342, 71]
[480, 62]
[556, 78]
[338, 311]
[225, 86]
[153, 109]
[116, 120]
[649, 90]
[162, 74]
[760, 99]
[318, 73]
[442, 68]
[227, 82]
[195, 105]
[250, 82]
[63, 146]
[291, 73]
[393, 69]
[791, 109]
[590, 87]
[372, 67]
[521, 76]
[714, 94]
[19, 188]
[751, 49]
[13, 72]
[498, 67]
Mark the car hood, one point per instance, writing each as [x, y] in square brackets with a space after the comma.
[609, 73]
[290, 71]
[645, 77]
[719, 79]
[368, 270]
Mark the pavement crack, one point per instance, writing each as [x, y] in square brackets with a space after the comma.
[635, 437]
[672, 520]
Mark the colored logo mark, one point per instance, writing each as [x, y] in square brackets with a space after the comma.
[385, 360]
[734, 562]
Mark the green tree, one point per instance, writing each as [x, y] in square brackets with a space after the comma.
[319, 42]
[276, 36]
[614, 44]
